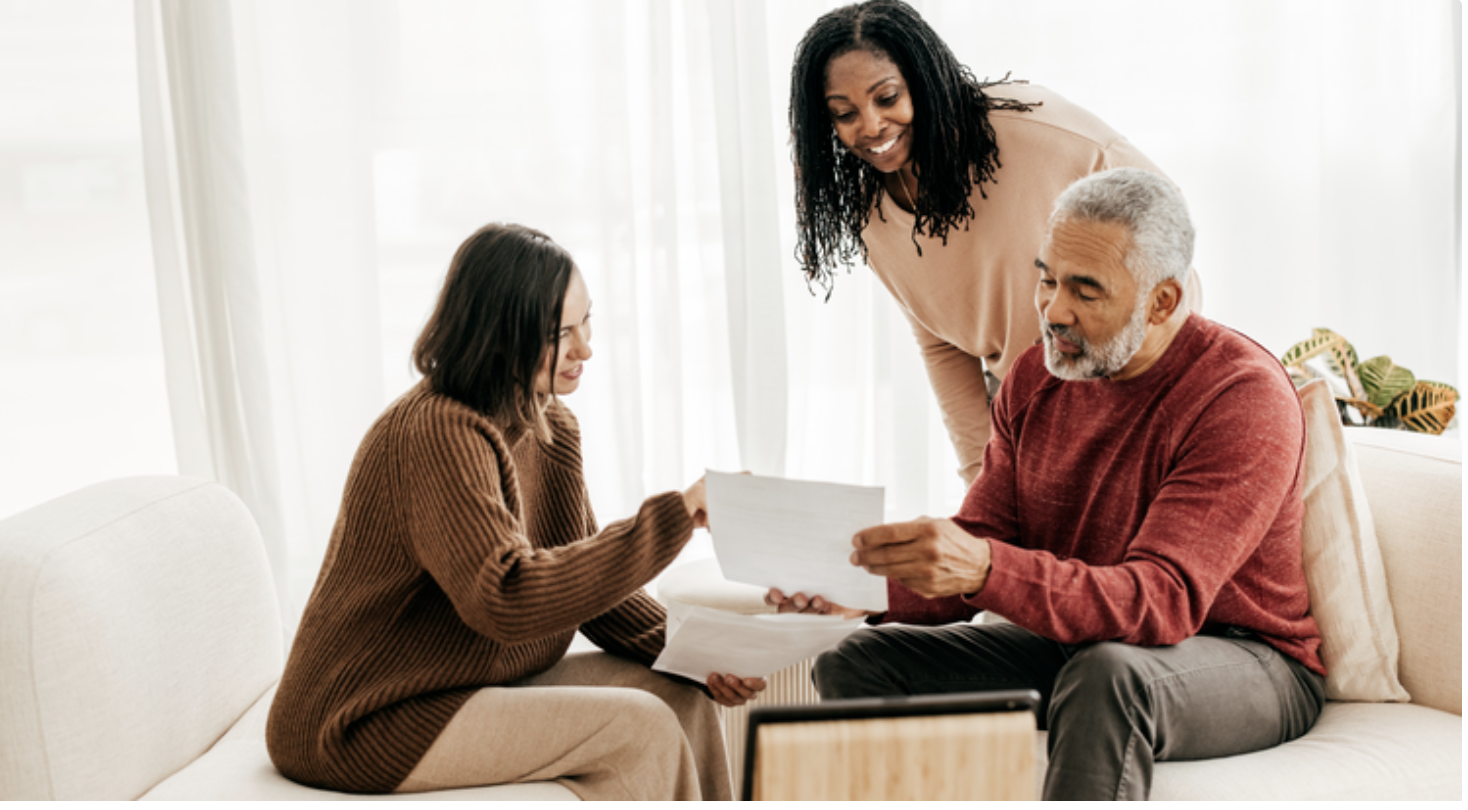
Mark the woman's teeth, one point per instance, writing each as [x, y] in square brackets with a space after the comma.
[881, 150]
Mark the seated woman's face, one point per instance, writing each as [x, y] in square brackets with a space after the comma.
[560, 371]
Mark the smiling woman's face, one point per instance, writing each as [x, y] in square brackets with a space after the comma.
[870, 108]
[564, 377]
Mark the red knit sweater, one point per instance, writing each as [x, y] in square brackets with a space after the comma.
[1146, 510]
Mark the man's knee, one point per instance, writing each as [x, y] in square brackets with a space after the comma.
[851, 669]
[832, 673]
[1106, 659]
[1102, 730]
[1107, 676]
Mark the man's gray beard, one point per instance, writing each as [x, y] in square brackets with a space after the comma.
[1095, 361]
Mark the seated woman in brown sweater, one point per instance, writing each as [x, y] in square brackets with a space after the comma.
[465, 557]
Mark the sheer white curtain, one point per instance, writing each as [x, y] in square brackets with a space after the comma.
[313, 165]
[82, 394]
[266, 267]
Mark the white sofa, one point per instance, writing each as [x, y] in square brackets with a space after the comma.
[140, 650]
[141, 643]
[1357, 750]
[1363, 751]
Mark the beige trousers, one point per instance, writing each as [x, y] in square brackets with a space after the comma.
[604, 727]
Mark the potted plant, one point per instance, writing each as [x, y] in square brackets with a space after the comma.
[1376, 393]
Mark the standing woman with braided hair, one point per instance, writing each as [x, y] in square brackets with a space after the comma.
[943, 185]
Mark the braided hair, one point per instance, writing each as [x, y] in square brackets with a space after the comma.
[953, 143]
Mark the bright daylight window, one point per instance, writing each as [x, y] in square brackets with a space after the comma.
[80, 349]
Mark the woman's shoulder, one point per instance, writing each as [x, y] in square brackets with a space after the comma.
[422, 403]
[1048, 111]
[425, 417]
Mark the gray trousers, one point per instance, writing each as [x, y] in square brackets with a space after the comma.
[1112, 709]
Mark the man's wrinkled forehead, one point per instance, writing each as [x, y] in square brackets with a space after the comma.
[1085, 252]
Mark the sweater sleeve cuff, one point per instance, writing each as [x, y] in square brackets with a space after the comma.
[1001, 589]
[908, 607]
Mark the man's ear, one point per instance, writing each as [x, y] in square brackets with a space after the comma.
[1166, 297]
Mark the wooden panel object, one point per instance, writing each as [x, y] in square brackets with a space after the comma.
[988, 756]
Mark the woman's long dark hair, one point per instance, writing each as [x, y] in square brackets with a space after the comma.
[952, 142]
[498, 314]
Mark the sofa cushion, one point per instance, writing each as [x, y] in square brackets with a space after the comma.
[1356, 751]
[1343, 568]
[139, 622]
[238, 768]
[1415, 484]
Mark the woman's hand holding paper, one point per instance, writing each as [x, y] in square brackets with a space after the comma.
[695, 500]
[730, 690]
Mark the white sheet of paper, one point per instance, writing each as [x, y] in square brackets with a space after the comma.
[794, 535]
[702, 641]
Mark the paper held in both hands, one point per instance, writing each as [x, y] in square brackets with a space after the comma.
[776, 533]
[795, 536]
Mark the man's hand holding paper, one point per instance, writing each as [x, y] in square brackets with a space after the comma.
[818, 605]
[794, 535]
[779, 534]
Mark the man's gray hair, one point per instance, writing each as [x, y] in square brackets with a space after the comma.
[1151, 209]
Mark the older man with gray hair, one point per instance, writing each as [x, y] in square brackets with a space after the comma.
[1137, 520]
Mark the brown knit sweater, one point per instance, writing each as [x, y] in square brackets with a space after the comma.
[463, 557]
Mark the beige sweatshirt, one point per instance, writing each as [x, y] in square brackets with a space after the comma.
[971, 302]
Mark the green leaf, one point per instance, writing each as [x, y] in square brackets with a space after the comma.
[1384, 380]
[1320, 341]
[1338, 350]
[1427, 408]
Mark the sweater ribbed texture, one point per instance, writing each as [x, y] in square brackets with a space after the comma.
[464, 556]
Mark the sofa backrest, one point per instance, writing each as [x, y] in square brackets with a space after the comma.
[1414, 485]
[139, 621]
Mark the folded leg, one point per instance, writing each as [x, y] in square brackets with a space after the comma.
[605, 727]
[1117, 709]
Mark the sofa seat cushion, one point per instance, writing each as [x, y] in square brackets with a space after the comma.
[1357, 751]
[238, 767]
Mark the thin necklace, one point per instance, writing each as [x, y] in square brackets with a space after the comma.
[911, 195]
